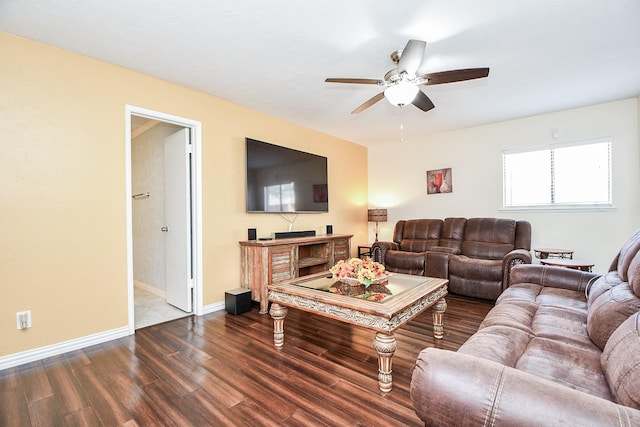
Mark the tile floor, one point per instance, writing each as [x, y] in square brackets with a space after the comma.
[150, 308]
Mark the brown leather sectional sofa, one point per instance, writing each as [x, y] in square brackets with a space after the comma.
[475, 254]
[560, 347]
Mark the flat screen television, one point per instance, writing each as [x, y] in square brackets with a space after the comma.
[284, 180]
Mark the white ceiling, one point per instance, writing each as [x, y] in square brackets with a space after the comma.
[273, 56]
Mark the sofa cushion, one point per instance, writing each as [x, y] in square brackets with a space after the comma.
[624, 268]
[633, 274]
[500, 344]
[474, 287]
[554, 313]
[453, 233]
[542, 312]
[523, 235]
[608, 312]
[417, 245]
[563, 363]
[627, 254]
[621, 364]
[566, 324]
[420, 235]
[489, 238]
[564, 298]
[521, 292]
[544, 295]
[479, 269]
[405, 262]
[512, 315]
[602, 284]
[479, 278]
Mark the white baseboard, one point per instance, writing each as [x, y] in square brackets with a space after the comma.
[55, 349]
[211, 308]
[63, 347]
[150, 288]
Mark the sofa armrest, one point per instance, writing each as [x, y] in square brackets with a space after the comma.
[556, 277]
[437, 261]
[379, 250]
[456, 389]
[513, 258]
[436, 264]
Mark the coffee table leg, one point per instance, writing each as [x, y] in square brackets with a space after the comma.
[438, 310]
[278, 314]
[385, 345]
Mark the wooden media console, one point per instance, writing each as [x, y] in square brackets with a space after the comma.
[265, 262]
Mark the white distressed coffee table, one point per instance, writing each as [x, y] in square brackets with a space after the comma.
[383, 309]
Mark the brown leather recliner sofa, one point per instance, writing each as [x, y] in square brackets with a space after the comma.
[475, 254]
[560, 347]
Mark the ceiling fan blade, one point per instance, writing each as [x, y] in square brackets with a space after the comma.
[455, 76]
[368, 103]
[411, 57]
[423, 102]
[355, 81]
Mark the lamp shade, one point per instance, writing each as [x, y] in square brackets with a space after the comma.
[377, 215]
[401, 94]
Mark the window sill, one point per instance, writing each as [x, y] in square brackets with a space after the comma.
[561, 208]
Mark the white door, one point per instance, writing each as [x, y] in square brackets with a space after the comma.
[177, 203]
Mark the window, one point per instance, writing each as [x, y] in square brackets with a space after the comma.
[563, 175]
[280, 198]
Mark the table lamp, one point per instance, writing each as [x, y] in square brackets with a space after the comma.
[377, 215]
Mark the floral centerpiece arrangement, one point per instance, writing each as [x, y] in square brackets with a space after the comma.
[359, 271]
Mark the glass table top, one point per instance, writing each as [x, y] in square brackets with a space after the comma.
[397, 284]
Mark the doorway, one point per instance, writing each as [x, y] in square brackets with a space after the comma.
[163, 217]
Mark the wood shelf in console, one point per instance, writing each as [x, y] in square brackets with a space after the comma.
[308, 262]
[271, 261]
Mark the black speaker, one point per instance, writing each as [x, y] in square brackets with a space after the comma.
[329, 229]
[292, 234]
[237, 301]
[252, 234]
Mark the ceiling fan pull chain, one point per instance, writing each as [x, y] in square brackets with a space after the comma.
[401, 133]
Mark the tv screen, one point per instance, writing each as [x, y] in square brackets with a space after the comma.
[281, 179]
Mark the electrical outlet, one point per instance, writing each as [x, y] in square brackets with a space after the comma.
[23, 319]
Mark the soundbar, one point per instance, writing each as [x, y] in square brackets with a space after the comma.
[290, 234]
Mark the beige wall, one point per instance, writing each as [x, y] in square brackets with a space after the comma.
[475, 154]
[62, 187]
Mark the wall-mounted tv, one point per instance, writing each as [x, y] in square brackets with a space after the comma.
[284, 180]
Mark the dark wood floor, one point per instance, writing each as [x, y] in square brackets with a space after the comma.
[223, 370]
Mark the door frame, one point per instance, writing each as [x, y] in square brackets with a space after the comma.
[196, 203]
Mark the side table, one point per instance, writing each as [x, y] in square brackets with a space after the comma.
[544, 253]
[568, 263]
[364, 250]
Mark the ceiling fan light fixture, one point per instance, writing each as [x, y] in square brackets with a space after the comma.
[403, 81]
[401, 93]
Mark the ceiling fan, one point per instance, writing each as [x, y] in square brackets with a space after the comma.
[402, 83]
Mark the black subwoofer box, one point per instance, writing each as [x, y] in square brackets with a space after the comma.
[237, 301]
